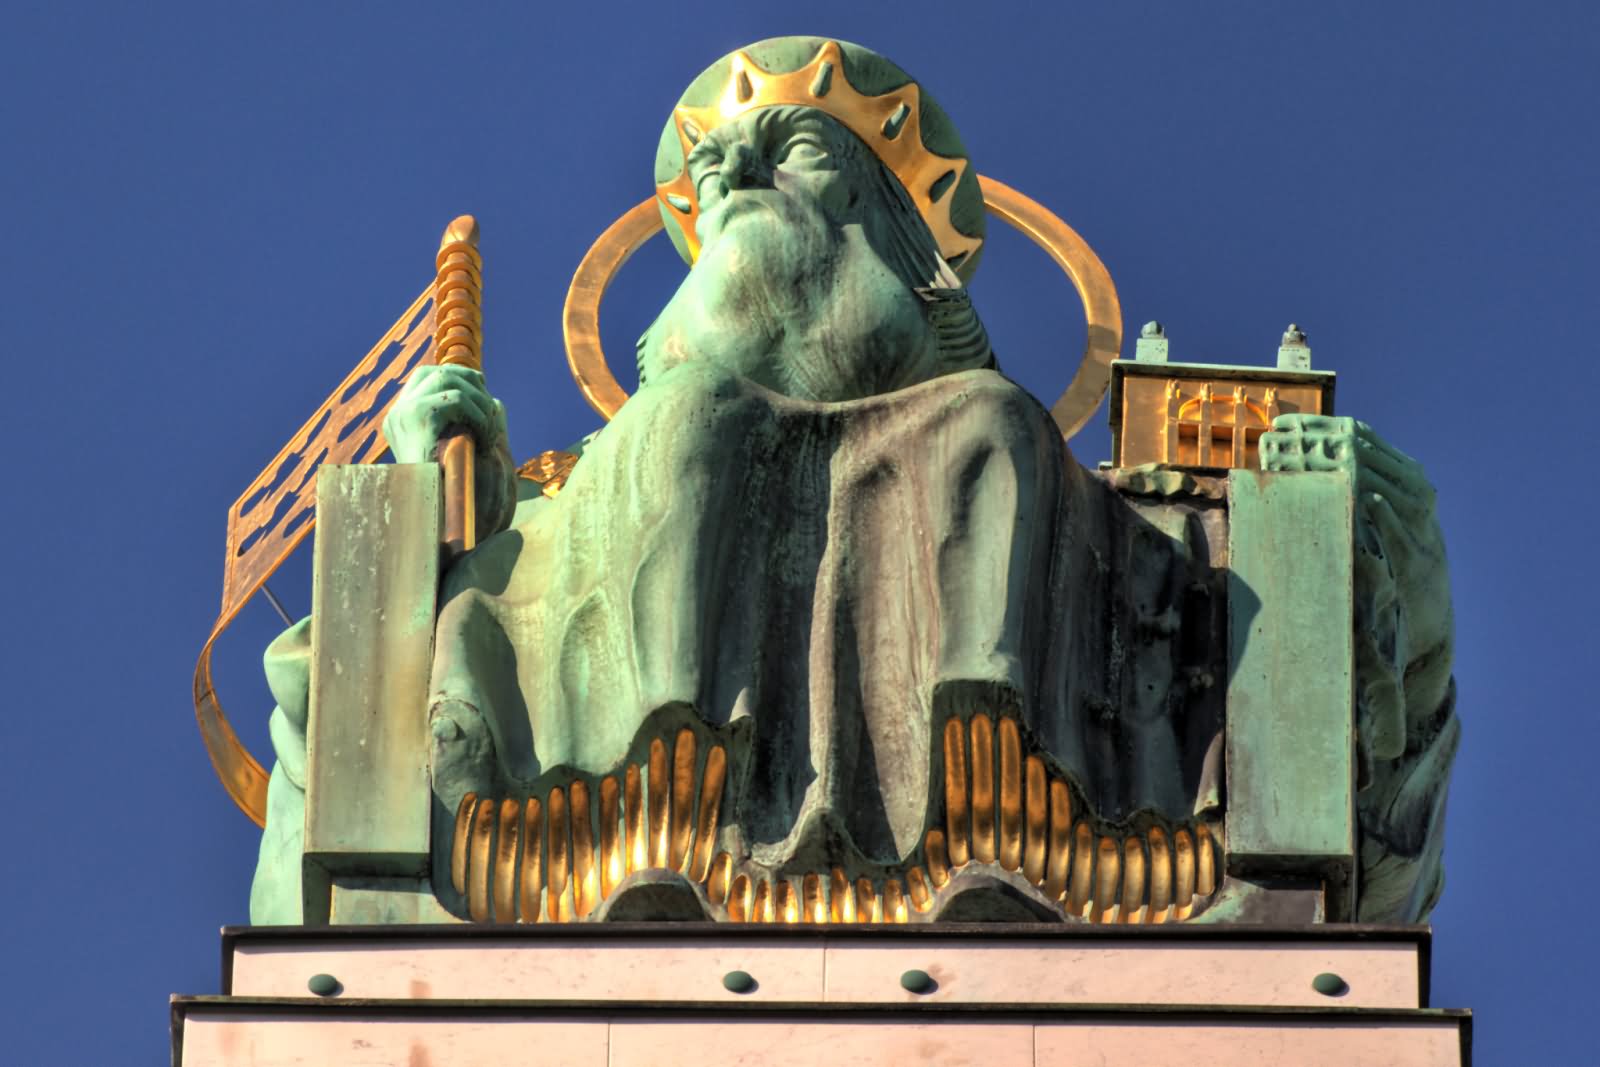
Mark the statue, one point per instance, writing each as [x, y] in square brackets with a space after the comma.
[827, 624]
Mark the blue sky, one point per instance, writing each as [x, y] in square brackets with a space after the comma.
[214, 209]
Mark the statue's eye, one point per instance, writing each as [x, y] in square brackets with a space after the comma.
[802, 150]
[706, 174]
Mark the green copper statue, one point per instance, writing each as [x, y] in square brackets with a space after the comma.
[827, 624]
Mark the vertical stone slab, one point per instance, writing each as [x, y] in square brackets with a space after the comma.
[375, 583]
[1290, 715]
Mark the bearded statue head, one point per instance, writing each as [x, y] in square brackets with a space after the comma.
[831, 219]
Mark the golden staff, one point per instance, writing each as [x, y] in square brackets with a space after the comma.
[458, 341]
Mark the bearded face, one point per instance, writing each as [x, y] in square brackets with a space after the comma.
[810, 259]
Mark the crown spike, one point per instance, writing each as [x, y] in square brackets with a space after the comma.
[823, 81]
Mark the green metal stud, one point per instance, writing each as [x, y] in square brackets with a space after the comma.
[323, 985]
[738, 982]
[918, 982]
[1330, 985]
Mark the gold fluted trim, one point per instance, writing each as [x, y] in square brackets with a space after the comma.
[869, 906]
[894, 902]
[938, 859]
[635, 838]
[1132, 907]
[1036, 840]
[1160, 877]
[1010, 794]
[1082, 870]
[532, 879]
[659, 784]
[785, 901]
[705, 831]
[739, 899]
[1108, 879]
[815, 902]
[505, 861]
[559, 855]
[1205, 871]
[585, 871]
[612, 869]
[717, 881]
[762, 907]
[458, 844]
[983, 847]
[841, 897]
[917, 889]
[684, 754]
[1059, 864]
[478, 872]
[957, 822]
[1183, 878]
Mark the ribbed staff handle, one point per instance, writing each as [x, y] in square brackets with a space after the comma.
[458, 340]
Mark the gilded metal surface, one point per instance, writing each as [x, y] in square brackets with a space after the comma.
[841, 897]
[513, 865]
[1133, 883]
[1182, 875]
[580, 316]
[1205, 416]
[683, 790]
[458, 295]
[983, 844]
[1010, 794]
[705, 830]
[458, 843]
[506, 844]
[479, 865]
[814, 904]
[549, 470]
[1059, 863]
[458, 339]
[636, 839]
[532, 887]
[890, 125]
[917, 889]
[1108, 879]
[718, 879]
[612, 868]
[938, 859]
[585, 870]
[869, 906]
[659, 785]
[1081, 889]
[460, 506]
[1160, 877]
[1036, 840]
[1101, 308]
[786, 903]
[894, 902]
[557, 891]
[739, 900]
[957, 822]
[276, 511]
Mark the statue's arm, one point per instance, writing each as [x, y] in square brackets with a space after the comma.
[437, 399]
[1407, 731]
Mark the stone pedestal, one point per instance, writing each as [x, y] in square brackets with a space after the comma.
[616, 995]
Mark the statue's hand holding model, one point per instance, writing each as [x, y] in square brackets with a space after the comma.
[829, 540]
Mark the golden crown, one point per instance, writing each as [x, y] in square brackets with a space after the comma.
[890, 125]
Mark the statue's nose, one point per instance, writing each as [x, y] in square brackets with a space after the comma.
[740, 167]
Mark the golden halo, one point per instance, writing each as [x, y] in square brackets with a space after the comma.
[580, 317]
